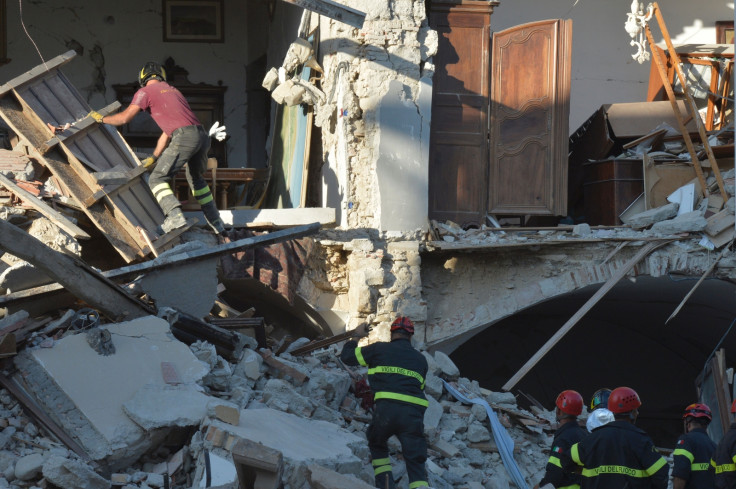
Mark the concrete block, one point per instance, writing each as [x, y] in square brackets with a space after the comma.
[324, 478]
[28, 467]
[72, 474]
[186, 405]
[446, 366]
[228, 414]
[447, 449]
[647, 218]
[84, 392]
[299, 439]
[684, 223]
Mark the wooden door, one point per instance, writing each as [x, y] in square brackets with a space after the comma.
[458, 168]
[530, 105]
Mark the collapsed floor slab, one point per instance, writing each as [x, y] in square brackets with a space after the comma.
[301, 440]
[84, 392]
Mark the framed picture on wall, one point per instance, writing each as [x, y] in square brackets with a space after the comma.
[193, 20]
[724, 31]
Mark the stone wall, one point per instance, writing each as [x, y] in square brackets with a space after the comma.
[375, 125]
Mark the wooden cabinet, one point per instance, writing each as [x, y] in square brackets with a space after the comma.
[207, 103]
[499, 116]
[458, 161]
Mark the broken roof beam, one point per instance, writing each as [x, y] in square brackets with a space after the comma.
[76, 276]
[333, 10]
[123, 273]
[615, 278]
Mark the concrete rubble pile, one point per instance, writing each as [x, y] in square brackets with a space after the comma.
[156, 413]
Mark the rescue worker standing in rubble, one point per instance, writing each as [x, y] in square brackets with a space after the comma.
[183, 143]
[693, 450]
[618, 454]
[396, 373]
[724, 458]
[569, 405]
[599, 413]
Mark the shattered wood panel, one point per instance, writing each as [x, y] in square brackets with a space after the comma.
[458, 161]
[530, 104]
[46, 96]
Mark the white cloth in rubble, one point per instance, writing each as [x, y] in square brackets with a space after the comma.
[599, 417]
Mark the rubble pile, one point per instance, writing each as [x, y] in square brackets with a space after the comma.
[300, 407]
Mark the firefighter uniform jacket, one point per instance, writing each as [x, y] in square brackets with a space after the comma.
[724, 460]
[617, 455]
[691, 457]
[396, 370]
[565, 437]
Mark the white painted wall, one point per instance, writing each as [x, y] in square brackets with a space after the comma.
[603, 70]
[128, 34]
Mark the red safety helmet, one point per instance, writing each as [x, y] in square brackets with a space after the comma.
[733, 406]
[623, 400]
[403, 323]
[570, 402]
[698, 410]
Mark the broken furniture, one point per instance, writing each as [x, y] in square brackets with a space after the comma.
[603, 182]
[709, 72]
[126, 212]
[247, 186]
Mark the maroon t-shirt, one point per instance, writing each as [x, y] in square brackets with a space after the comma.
[167, 106]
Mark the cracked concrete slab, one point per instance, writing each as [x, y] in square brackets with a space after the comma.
[84, 392]
[299, 439]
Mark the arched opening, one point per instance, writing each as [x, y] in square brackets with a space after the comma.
[622, 341]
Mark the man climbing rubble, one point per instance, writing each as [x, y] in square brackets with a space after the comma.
[569, 405]
[618, 454]
[396, 373]
[693, 450]
[724, 458]
[183, 143]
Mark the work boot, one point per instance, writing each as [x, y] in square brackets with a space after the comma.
[174, 220]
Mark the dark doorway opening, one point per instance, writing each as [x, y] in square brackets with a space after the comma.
[622, 341]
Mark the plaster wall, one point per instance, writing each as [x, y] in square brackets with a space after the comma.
[603, 70]
[114, 39]
[375, 124]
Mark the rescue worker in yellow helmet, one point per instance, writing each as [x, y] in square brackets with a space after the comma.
[568, 406]
[396, 373]
[619, 455]
[599, 413]
[693, 450]
[723, 462]
[184, 143]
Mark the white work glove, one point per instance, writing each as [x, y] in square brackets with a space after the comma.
[217, 131]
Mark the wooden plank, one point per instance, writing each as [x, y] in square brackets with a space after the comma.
[675, 60]
[177, 260]
[118, 177]
[39, 70]
[333, 10]
[662, 69]
[80, 127]
[78, 278]
[697, 284]
[615, 278]
[720, 221]
[274, 362]
[57, 217]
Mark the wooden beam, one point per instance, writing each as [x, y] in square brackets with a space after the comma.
[177, 260]
[333, 10]
[57, 217]
[675, 59]
[58, 61]
[118, 177]
[76, 276]
[615, 278]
